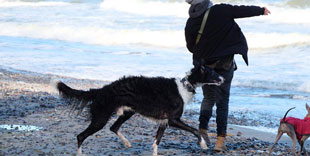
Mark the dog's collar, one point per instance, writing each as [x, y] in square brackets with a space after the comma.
[188, 85]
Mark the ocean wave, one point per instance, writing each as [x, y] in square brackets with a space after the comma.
[147, 8]
[283, 14]
[278, 85]
[179, 8]
[95, 35]
[157, 38]
[21, 3]
[276, 40]
[283, 96]
[298, 3]
[305, 87]
[282, 3]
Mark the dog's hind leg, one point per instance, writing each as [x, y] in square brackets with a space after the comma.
[159, 135]
[280, 133]
[97, 123]
[117, 124]
[179, 124]
[293, 136]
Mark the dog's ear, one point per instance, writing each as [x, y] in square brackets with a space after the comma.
[308, 108]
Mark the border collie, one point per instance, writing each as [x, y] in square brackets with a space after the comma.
[157, 98]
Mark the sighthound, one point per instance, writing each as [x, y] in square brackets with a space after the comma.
[157, 98]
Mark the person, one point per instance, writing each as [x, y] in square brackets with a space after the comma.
[220, 40]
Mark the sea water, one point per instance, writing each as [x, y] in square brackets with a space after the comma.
[105, 40]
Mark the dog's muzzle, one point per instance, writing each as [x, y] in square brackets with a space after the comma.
[217, 83]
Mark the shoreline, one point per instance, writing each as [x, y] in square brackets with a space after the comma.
[261, 135]
[26, 98]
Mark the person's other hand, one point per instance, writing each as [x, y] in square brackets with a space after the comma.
[266, 12]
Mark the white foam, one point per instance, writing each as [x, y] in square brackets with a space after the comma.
[158, 38]
[288, 15]
[128, 24]
[17, 3]
[305, 87]
[95, 35]
[281, 12]
[275, 40]
[21, 127]
[147, 8]
[279, 84]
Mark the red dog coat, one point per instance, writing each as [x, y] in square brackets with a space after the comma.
[302, 127]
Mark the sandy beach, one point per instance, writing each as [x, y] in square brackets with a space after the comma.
[28, 99]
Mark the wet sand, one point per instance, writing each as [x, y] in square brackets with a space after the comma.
[28, 99]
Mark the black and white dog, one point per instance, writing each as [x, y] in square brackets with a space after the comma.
[157, 98]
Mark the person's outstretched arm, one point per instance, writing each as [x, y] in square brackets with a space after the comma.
[243, 11]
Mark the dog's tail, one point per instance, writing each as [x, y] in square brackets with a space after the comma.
[283, 120]
[79, 99]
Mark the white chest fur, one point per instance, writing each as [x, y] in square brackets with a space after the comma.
[185, 94]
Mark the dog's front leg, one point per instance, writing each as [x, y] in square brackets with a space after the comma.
[179, 124]
[155, 148]
[302, 142]
[160, 133]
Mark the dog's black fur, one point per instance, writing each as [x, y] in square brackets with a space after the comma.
[157, 98]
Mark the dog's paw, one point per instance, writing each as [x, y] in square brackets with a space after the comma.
[203, 144]
[127, 144]
[80, 152]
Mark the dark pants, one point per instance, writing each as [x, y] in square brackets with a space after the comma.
[218, 95]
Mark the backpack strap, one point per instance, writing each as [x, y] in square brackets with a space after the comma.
[205, 17]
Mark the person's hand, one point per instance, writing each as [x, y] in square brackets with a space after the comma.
[266, 12]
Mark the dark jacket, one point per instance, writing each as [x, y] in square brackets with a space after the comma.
[222, 36]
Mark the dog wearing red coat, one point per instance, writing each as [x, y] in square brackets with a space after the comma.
[297, 129]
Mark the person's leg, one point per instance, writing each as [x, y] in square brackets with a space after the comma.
[222, 103]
